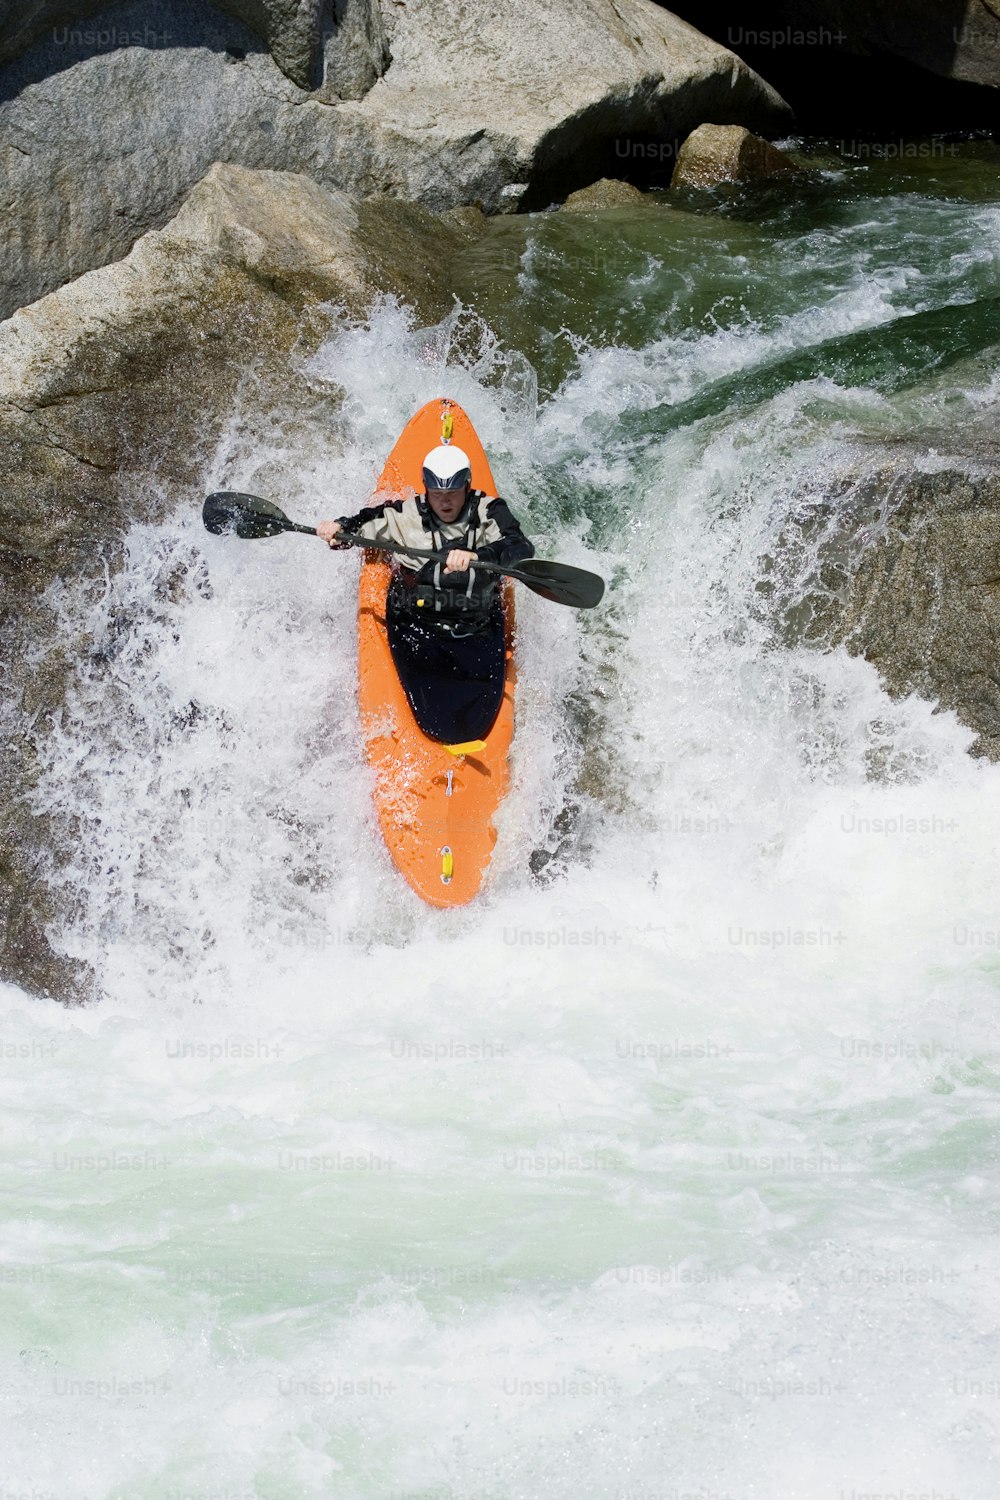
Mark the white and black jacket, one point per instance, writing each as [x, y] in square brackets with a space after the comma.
[485, 526]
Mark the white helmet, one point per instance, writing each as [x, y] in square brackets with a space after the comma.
[447, 469]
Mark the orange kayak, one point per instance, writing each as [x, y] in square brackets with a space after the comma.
[435, 802]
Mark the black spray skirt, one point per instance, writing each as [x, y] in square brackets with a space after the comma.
[454, 684]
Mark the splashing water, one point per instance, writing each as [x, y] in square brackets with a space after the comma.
[668, 1168]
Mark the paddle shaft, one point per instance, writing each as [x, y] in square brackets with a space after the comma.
[428, 556]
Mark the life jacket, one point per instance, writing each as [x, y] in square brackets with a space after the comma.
[449, 599]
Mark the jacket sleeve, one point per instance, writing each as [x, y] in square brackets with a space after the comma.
[512, 546]
[370, 523]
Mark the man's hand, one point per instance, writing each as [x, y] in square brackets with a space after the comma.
[458, 561]
[329, 531]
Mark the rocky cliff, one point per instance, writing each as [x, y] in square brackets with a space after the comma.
[106, 122]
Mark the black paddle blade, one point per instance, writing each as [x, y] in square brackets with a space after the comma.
[228, 513]
[560, 583]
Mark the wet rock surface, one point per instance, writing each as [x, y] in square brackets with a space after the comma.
[923, 600]
[727, 153]
[900, 563]
[608, 193]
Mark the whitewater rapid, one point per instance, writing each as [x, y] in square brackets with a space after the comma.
[667, 1169]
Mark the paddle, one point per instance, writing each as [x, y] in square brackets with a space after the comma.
[229, 513]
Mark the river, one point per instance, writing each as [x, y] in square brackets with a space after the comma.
[668, 1169]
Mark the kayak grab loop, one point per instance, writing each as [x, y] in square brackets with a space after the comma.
[447, 865]
[447, 423]
[469, 747]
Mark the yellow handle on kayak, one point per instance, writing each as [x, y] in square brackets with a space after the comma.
[447, 427]
[447, 865]
[471, 747]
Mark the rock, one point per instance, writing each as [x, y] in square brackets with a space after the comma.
[499, 112]
[960, 40]
[356, 51]
[510, 198]
[534, 93]
[608, 193]
[98, 198]
[923, 600]
[24, 21]
[905, 571]
[727, 153]
[292, 29]
[467, 218]
[113, 390]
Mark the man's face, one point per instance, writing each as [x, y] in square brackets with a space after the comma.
[447, 504]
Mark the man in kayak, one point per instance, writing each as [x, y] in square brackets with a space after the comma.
[445, 620]
[450, 517]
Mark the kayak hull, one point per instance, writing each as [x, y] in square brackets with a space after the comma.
[435, 808]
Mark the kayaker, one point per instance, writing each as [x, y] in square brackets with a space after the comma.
[452, 598]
